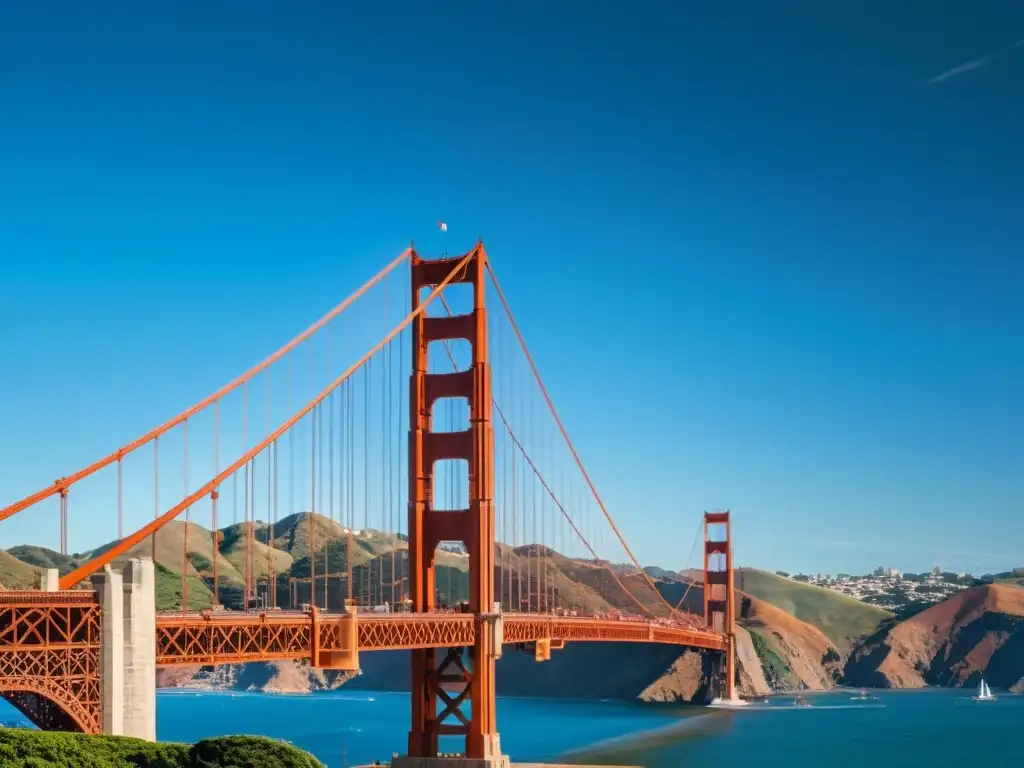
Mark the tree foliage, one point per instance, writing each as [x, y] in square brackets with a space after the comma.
[43, 749]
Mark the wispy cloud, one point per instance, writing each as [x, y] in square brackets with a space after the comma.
[971, 66]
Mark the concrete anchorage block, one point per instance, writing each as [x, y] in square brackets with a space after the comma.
[139, 579]
[128, 649]
[110, 594]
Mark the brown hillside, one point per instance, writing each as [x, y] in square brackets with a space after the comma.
[978, 631]
[752, 681]
[269, 676]
[15, 574]
[801, 648]
[774, 649]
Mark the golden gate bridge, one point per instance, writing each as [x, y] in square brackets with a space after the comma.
[440, 443]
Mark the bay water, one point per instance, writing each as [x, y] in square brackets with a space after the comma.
[934, 728]
[900, 728]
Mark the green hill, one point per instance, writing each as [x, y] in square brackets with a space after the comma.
[380, 567]
[169, 551]
[41, 557]
[380, 563]
[169, 590]
[842, 619]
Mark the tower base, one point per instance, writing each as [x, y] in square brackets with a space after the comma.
[501, 761]
[492, 751]
[733, 703]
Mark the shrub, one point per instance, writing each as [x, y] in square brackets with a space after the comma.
[249, 752]
[44, 749]
[19, 746]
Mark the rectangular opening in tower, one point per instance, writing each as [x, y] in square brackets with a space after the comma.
[456, 298]
[449, 355]
[450, 414]
[717, 532]
[450, 486]
[451, 574]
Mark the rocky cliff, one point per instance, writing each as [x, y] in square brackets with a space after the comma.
[269, 676]
[792, 653]
[977, 631]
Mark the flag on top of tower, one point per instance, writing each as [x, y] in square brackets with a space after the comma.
[443, 226]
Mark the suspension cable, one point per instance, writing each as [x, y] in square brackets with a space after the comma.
[128, 542]
[547, 488]
[689, 559]
[66, 482]
[565, 435]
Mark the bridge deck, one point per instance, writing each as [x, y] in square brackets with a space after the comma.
[229, 637]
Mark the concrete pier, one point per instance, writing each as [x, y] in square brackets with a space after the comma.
[110, 593]
[139, 580]
[128, 649]
[49, 580]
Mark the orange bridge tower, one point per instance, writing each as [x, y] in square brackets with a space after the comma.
[719, 593]
[443, 681]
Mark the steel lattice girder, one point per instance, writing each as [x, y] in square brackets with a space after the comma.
[525, 628]
[49, 643]
[49, 657]
[412, 631]
[230, 638]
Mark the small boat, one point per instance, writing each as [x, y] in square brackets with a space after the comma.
[862, 696]
[800, 701]
[984, 692]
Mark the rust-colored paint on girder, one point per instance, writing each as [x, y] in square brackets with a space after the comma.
[49, 658]
[231, 638]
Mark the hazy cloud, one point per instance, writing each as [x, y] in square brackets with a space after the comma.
[970, 66]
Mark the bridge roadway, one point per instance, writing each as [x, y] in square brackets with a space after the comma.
[228, 637]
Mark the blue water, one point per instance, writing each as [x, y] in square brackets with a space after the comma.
[901, 728]
[372, 725]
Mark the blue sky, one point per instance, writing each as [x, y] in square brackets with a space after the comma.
[768, 256]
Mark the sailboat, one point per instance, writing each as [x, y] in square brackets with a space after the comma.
[984, 692]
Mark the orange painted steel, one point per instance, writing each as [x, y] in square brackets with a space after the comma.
[49, 658]
[61, 485]
[719, 590]
[210, 638]
[49, 641]
[109, 555]
[416, 632]
[231, 638]
[432, 679]
[49, 644]
[526, 628]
